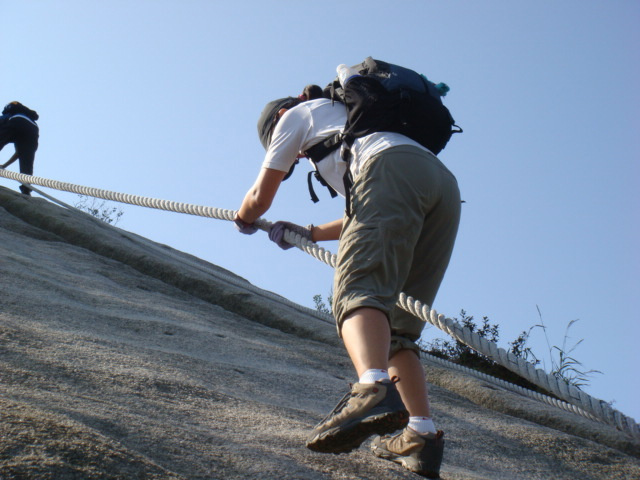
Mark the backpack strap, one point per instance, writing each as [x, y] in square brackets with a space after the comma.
[316, 153]
[322, 149]
[323, 182]
[347, 180]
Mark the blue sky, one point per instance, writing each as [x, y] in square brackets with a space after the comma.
[160, 98]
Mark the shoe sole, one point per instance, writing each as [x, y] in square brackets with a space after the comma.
[409, 463]
[348, 437]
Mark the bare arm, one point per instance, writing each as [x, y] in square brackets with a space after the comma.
[327, 231]
[11, 160]
[259, 197]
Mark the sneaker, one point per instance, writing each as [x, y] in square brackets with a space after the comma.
[366, 410]
[420, 454]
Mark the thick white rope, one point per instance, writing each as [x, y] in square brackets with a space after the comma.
[121, 197]
[558, 387]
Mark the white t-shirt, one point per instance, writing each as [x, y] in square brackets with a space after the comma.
[365, 148]
[310, 122]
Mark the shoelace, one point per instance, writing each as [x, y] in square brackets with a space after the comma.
[338, 408]
[345, 400]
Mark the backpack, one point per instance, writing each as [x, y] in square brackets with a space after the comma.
[383, 97]
[15, 108]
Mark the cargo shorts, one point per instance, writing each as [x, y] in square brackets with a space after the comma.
[405, 211]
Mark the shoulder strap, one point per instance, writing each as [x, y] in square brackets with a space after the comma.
[322, 149]
[317, 153]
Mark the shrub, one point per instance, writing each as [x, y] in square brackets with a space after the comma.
[99, 209]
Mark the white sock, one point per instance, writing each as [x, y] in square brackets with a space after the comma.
[422, 425]
[374, 375]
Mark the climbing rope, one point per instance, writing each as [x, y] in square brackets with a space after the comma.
[593, 407]
[122, 197]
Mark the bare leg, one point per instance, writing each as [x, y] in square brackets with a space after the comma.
[367, 336]
[412, 385]
[369, 408]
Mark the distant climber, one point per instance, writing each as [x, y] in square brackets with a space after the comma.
[18, 126]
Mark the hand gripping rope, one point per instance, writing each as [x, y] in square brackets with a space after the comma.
[577, 401]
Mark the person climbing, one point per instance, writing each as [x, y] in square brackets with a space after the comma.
[405, 210]
[18, 126]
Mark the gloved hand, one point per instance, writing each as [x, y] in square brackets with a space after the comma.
[244, 227]
[276, 234]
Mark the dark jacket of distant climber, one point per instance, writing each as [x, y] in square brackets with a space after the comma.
[18, 126]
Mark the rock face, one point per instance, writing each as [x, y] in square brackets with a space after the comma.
[124, 359]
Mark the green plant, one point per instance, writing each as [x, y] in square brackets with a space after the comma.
[99, 209]
[519, 347]
[321, 306]
[461, 354]
[459, 351]
[563, 365]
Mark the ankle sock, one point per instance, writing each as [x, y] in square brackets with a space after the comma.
[374, 375]
[422, 425]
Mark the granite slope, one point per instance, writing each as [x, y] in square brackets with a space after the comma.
[121, 358]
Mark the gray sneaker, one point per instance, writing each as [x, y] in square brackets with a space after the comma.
[366, 410]
[420, 454]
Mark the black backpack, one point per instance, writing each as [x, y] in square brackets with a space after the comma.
[15, 108]
[388, 98]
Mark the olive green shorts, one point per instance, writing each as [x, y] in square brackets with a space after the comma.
[405, 215]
